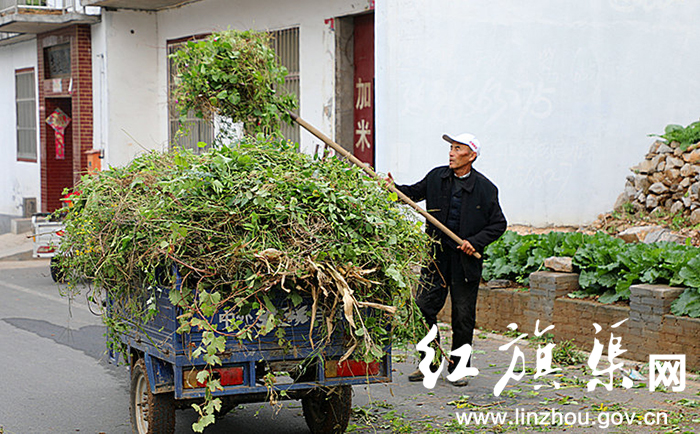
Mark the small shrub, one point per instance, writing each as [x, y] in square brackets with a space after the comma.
[684, 136]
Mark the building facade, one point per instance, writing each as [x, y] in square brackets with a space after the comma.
[562, 98]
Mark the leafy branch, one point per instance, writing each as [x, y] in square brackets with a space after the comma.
[233, 74]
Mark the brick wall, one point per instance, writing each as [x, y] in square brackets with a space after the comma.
[680, 335]
[573, 320]
[496, 308]
[648, 327]
[76, 91]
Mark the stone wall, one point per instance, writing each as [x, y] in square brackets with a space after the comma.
[668, 180]
[648, 326]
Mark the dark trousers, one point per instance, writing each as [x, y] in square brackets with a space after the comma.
[444, 276]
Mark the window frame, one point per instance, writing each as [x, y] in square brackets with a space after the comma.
[22, 154]
[201, 130]
[288, 55]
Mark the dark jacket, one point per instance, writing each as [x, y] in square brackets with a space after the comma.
[481, 220]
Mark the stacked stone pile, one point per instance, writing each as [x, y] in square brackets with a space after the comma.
[667, 181]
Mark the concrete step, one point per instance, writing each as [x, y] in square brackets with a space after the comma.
[21, 225]
[16, 246]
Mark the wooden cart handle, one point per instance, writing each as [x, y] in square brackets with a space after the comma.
[368, 170]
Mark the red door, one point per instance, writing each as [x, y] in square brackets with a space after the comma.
[59, 167]
[364, 89]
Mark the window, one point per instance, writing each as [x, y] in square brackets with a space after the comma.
[199, 130]
[57, 60]
[26, 114]
[286, 46]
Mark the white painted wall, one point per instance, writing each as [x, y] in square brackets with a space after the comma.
[17, 179]
[135, 110]
[561, 94]
[100, 101]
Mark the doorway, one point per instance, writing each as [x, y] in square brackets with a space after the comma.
[355, 85]
[363, 92]
[58, 162]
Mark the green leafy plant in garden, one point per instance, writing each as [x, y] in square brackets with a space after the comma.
[607, 265]
[687, 136]
[233, 74]
[241, 224]
[689, 301]
[515, 256]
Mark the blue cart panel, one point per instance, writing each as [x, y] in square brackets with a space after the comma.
[302, 361]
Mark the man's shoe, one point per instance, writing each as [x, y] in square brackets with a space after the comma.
[415, 376]
[462, 382]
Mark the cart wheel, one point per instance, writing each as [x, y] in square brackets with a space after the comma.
[56, 273]
[327, 411]
[150, 414]
[226, 408]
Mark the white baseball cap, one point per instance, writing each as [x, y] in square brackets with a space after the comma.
[465, 139]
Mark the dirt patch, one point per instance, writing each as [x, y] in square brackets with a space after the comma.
[614, 223]
[526, 230]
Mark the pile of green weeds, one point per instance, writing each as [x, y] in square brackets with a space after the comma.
[240, 221]
[234, 226]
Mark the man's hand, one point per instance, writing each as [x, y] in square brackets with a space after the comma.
[389, 180]
[467, 248]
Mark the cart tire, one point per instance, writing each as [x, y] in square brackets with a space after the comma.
[57, 274]
[150, 413]
[327, 411]
[226, 408]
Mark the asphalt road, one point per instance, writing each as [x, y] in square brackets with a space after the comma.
[56, 378]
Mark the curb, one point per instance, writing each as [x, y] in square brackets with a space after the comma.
[18, 255]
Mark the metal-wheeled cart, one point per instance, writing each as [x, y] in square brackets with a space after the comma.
[163, 369]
